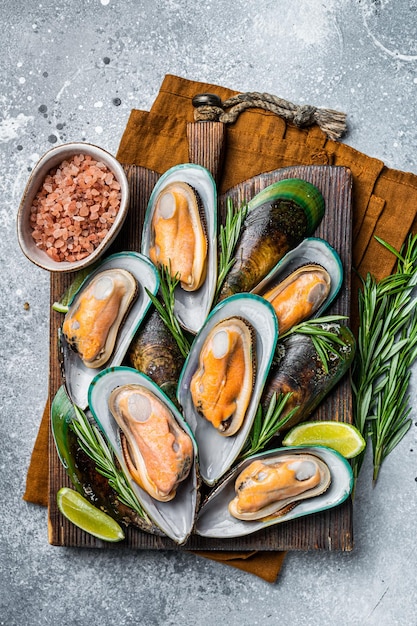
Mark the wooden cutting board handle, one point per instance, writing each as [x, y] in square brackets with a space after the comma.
[206, 139]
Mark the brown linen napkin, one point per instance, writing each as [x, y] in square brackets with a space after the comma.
[38, 473]
[384, 204]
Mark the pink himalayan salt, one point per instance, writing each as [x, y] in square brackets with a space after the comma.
[79, 191]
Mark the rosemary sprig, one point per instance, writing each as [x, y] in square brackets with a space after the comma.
[326, 342]
[264, 428]
[95, 446]
[166, 307]
[228, 236]
[386, 349]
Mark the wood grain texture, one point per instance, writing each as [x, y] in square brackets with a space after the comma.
[206, 144]
[329, 530]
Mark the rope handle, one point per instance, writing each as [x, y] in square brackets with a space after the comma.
[209, 107]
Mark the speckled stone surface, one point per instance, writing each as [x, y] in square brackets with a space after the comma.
[73, 71]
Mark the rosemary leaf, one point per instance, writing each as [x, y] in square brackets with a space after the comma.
[228, 236]
[95, 446]
[267, 426]
[387, 348]
[325, 340]
[166, 308]
[321, 352]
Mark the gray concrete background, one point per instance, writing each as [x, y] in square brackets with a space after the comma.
[73, 70]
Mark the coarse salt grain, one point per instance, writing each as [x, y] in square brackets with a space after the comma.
[79, 191]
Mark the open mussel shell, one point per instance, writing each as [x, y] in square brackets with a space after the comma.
[216, 451]
[176, 517]
[312, 254]
[76, 374]
[215, 520]
[278, 218]
[191, 307]
[81, 469]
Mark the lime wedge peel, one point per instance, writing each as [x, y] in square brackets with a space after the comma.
[340, 436]
[86, 516]
[60, 308]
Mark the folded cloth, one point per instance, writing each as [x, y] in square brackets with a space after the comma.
[384, 204]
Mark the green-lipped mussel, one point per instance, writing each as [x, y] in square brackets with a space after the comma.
[222, 385]
[155, 352]
[303, 283]
[272, 487]
[180, 233]
[299, 370]
[278, 219]
[94, 318]
[158, 453]
[81, 469]
[78, 374]
[122, 401]
[252, 352]
[219, 516]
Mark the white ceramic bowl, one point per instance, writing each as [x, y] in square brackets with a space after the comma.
[51, 159]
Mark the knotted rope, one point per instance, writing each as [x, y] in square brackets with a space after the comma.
[333, 123]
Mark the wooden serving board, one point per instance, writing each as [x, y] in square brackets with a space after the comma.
[330, 530]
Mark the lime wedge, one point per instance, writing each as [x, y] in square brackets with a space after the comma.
[342, 437]
[60, 308]
[87, 517]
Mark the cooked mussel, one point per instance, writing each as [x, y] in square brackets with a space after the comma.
[82, 470]
[303, 283]
[78, 375]
[299, 369]
[329, 469]
[278, 219]
[174, 516]
[299, 295]
[222, 385]
[216, 451]
[157, 452]
[93, 320]
[180, 234]
[272, 487]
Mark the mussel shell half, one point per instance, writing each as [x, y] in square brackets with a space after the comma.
[175, 517]
[81, 469]
[191, 307]
[155, 352]
[278, 218]
[216, 452]
[76, 375]
[299, 370]
[311, 250]
[214, 519]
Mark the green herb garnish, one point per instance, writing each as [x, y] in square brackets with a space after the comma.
[229, 235]
[386, 349]
[326, 341]
[166, 307]
[266, 427]
[95, 446]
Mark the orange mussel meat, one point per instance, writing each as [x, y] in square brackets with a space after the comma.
[179, 240]
[222, 384]
[299, 296]
[93, 320]
[157, 451]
